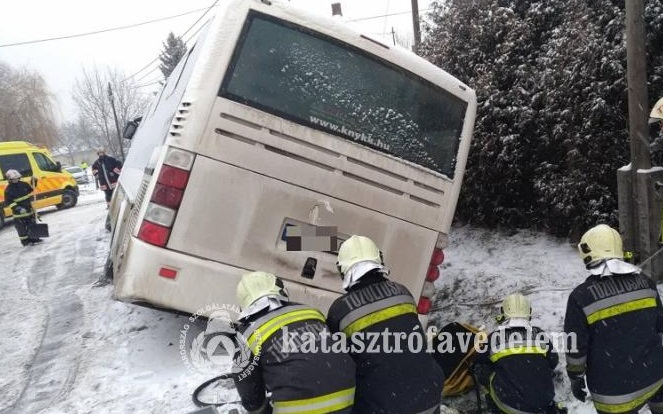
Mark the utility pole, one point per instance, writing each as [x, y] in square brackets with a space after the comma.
[639, 205]
[117, 124]
[415, 24]
[336, 10]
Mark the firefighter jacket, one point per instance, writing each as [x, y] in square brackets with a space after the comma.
[18, 197]
[285, 355]
[107, 170]
[617, 321]
[517, 362]
[379, 319]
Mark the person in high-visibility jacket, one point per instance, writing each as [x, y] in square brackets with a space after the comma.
[281, 351]
[516, 363]
[615, 319]
[18, 197]
[395, 374]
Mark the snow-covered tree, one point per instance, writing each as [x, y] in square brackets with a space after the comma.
[173, 50]
[551, 83]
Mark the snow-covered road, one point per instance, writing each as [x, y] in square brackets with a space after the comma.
[69, 347]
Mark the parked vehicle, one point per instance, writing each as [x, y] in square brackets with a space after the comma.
[279, 119]
[79, 174]
[53, 186]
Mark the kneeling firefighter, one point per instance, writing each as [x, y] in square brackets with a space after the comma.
[394, 378]
[271, 356]
[516, 363]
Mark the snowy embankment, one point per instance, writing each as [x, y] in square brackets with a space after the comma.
[482, 267]
[70, 348]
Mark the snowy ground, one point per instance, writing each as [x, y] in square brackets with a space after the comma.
[68, 347]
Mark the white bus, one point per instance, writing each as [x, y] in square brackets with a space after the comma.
[278, 118]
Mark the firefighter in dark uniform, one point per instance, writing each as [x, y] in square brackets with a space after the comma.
[617, 318]
[273, 357]
[18, 197]
[393, 379]
[106, 171]
[516, 363]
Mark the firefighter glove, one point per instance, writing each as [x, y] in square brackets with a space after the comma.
[481, 374]
[578, 388]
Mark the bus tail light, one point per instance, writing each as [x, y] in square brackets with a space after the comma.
[425, 303]
[166, 197]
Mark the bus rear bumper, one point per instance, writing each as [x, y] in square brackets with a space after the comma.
[190, 284]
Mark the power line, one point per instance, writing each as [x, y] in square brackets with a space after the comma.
[199, 28]
[186, 41]
[146, 74]
[150, 83]
[385, 15]
[103, 30]
[200, 18]
[207, 9]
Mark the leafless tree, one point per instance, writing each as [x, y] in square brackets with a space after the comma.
[26, 107]
[405, 40]
[91, 94]
[79, 136]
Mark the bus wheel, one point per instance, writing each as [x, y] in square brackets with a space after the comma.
[69, 199]
[2, 220]
[107, 277]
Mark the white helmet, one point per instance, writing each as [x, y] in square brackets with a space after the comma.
[12, 175]
[600, 243]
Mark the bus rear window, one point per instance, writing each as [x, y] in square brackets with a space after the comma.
[316, 81]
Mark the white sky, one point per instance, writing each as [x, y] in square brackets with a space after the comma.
[60, 62]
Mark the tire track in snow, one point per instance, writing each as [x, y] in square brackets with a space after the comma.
[54, 276]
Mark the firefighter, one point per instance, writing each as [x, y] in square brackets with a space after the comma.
[396, 376]
[516, 363]
[18, 196]
[106, 171]
[301, 378]
[615, 319]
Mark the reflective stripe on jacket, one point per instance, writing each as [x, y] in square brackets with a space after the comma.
[615, 323]
[520, 361]
[392, 377]
[301, 379]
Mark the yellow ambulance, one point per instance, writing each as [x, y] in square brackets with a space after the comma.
[54, 187]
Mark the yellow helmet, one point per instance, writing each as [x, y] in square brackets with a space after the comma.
[357, 249]
[516, 306]
[256, 285]
[656, 114]
[600, 243]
